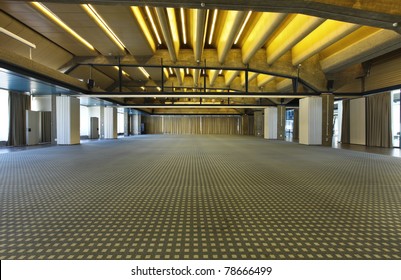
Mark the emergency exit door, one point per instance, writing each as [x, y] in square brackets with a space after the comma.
[94, 128]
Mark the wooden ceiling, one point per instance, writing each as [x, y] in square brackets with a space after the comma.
[281, 47]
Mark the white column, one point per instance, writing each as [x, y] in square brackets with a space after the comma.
[110, 123]
[68, 118]
[310, 121]
[136, 124]
[271, 123]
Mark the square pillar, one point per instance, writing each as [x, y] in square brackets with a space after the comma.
[110, 123]
[281, 122]
[270, 131]
[68, 120]
[136, 124]
[310, 121]
[258, 123]
[127, 120]
[327, 119]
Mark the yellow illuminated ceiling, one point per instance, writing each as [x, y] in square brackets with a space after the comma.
[171, 46]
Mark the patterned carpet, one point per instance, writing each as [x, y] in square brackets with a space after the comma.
[199, 197]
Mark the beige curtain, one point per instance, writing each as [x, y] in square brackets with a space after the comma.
[345, 127]
[229, 125]
[378, 120]
[46, 118]
[18, 104]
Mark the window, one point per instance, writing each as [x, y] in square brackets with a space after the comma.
[84, 122]
[289, 123]
[120, 121]
[395, 117]
[4, 115]
[338, 118]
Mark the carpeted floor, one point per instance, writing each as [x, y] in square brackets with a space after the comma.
[199, 197]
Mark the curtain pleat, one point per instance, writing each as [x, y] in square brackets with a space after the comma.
[18, 104]
[229, 125]
[46, 126]
[378, 120]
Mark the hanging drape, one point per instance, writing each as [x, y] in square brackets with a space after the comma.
[345, 127]
[18, 104]
[229, 125]
[46, 127]
[378, 120]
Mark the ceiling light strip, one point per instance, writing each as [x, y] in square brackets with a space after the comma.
[213, 26]
[122, 71]
[184, 32]
[242, 27]
[144, 72]
[141, 20]
[152, 22]
[205, 31]
[18, 38]
[100, 21]
[42, 8]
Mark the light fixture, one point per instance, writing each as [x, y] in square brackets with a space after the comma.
[171, 71]
[18, 38]
[242, 27]
[153, 24]
[100, 21]
[221, 71]
[122, 71]
[187, 71]
[184, 33]
[141, 20]
[42, 8]
[159, 88]
[144, 72]
[166, 72]
[143, 88]
[213, 26]
[206, 24]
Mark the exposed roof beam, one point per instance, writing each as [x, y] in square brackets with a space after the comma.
[264, 79]
[231, 25]
[165, 21]
[179, 73]
[285, 85]
[251, 76]
[230, 76]
[376, 44]
[265, 26]
[213, 74]
[299, 26]
[323, 36]
[198, 17]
